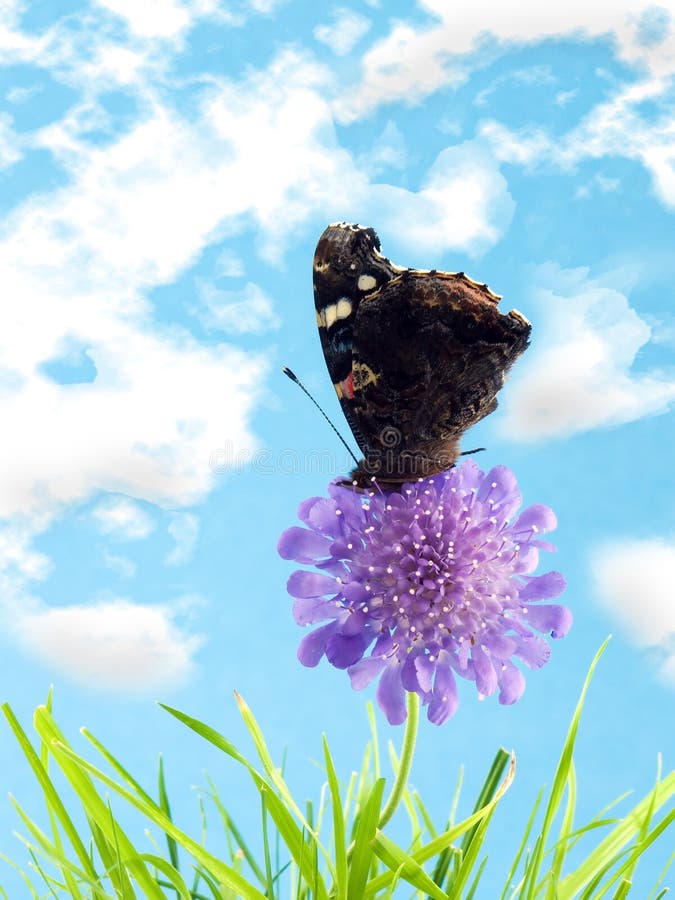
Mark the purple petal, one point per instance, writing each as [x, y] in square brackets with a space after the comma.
[302, 545]
[444, 700]
[355, 592]
[391, 696]
[409, 674]
[313, 645]
[543, 587]
[554, 619]
[365, 670]
[425, 671]
[500, 646]
[511, 683]
[486, 677]
[310, 610]
[533, 651]
[536, 519]
[323, 517]
[345, 650]
[310, 584]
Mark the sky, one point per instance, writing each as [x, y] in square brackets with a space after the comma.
[166, 169]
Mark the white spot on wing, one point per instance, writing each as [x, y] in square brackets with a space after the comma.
[366, 283]
[330, 314]
[344, 308]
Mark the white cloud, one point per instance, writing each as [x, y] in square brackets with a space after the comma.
[634, 583]
[249, 310]
[464, 177]
[579, 373]
[115, 645]
[616, 127]
[122, 519]
[152, 18]
[228, 265]
[344, 32]
[413, 61]
[184, 529]
[9, 142]
[122, 566]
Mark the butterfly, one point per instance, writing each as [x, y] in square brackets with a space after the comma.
[416, 357]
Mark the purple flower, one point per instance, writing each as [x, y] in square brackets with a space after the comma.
[421, 585]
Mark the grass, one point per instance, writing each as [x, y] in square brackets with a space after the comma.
[338, 850]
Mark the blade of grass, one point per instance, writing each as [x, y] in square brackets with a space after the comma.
[283, 819]
[52, 797]
[366, 827]
[339, 838]
[73, 763]
[522, 846]
[621, 834]
[165, 806]
[558, 786]
[404, 866]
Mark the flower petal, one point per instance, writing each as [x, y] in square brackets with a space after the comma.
[391, 696]
[310, 584]
[310, 610]
[543, 587]
[302, 545]
[511, 683]
[313, 645]
[365, 670]
[486, 677]
[554, 619]
[343, 650]
[444, 700]
[536, 519]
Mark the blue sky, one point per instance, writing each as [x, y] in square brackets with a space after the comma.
[165, 171]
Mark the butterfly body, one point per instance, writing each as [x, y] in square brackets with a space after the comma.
[416, 357]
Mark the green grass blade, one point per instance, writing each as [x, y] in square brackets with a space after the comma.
[51, 795]
[165, 806]
[404, 866]
[626, 829]
[558, 787]
[362, 854]
[73, 765]
[231, 829]
[283, 819]
[439, 843]
[339, 837]
[566, 826]
[522, 846]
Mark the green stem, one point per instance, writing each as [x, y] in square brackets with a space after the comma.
[405, 762]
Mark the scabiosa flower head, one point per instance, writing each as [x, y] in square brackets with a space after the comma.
[416, 585]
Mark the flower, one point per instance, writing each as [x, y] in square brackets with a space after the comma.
[435, 579]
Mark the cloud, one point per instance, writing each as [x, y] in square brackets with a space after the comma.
[634, 583]
[9, 144]
[184, 529]
[115, 645]
[344, 32]
[579, 374]
[122, 566]
[246, 311]
[122, 519]
[152, 18]
[413, 61]
[618, 127]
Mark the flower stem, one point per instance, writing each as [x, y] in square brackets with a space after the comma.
[405, 762]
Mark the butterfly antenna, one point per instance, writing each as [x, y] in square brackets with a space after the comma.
[469, 452]
[295, 378]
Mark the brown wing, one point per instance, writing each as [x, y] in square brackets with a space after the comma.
[430, 352]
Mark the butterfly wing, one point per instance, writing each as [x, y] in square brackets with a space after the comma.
[416, 357]
[431, 351]
[347, 266]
